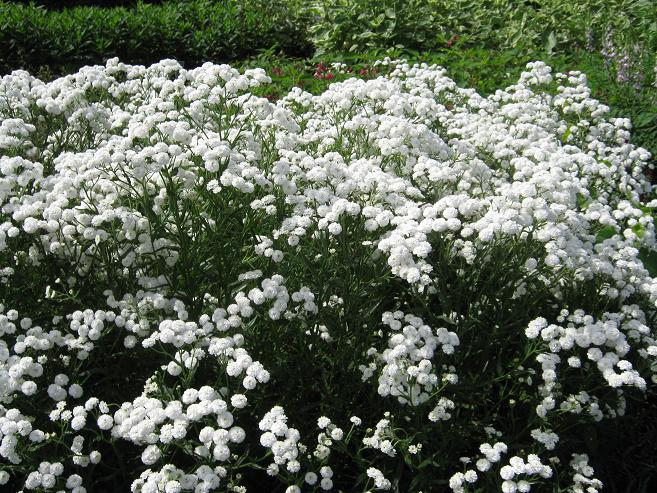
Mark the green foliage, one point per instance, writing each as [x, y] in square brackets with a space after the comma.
[356, 26]
[192, 32]
[550, 24]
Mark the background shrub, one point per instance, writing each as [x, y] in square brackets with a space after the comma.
[64, 4]
[552, 24]
[191, 32]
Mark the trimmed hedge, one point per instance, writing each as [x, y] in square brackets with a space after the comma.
[64, 4]
[192, 32]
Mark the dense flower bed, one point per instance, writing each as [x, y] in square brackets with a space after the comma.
[397, 284]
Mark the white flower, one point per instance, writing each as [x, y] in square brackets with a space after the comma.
[380, 482]
[150, 455]
[29, 387]
[78, 422]
[310, 478]
[56, 392]
[236, 434]
[105, 421]
[507, 472]
[75, 391]
[326, 484]
[337, 434]
[73, 481]
[238, 401]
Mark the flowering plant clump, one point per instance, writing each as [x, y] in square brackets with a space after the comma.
[397, 284]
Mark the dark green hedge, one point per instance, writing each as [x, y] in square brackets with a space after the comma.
[192, 31]
[64, 4]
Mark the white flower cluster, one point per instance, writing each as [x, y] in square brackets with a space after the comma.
[280, 439]
[407, 371]
[176, 332]
[606, 342]
[13, 426]
[45, 477]
[326, 475]
[147, 421]
[380, 482]
[459, 481]
[272, 289]
[491, 454]
[238, 361]
[510, 473]
[330, 433]
[583, 480]
[170, 479]
[548, 439]
[153, 181]
[517, 467]
[382, 437]
[441, 411]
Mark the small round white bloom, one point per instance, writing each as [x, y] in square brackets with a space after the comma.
[337, 434]
[78, 422]
[293, 466]
[37, 436]
[236, 434]
[326, 484]
[311, 478]
[483, 465]
[48, 480]
[129, 341]
[267, 439]
[335, 229]
[151, 455]
[507, 472]
[61, 379]
[172, 487]
[56, 468]
[524, 486]
[225, 420]
[509, 487]
[174, 369]
[29, 387]
[73, 481]
[189, 396]
[105, 421]
[238, 401]
[75, 391]
[33, 480]
[56, 392]
[277, 255]
[249, 382]
[221, 452]
[470, 476]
